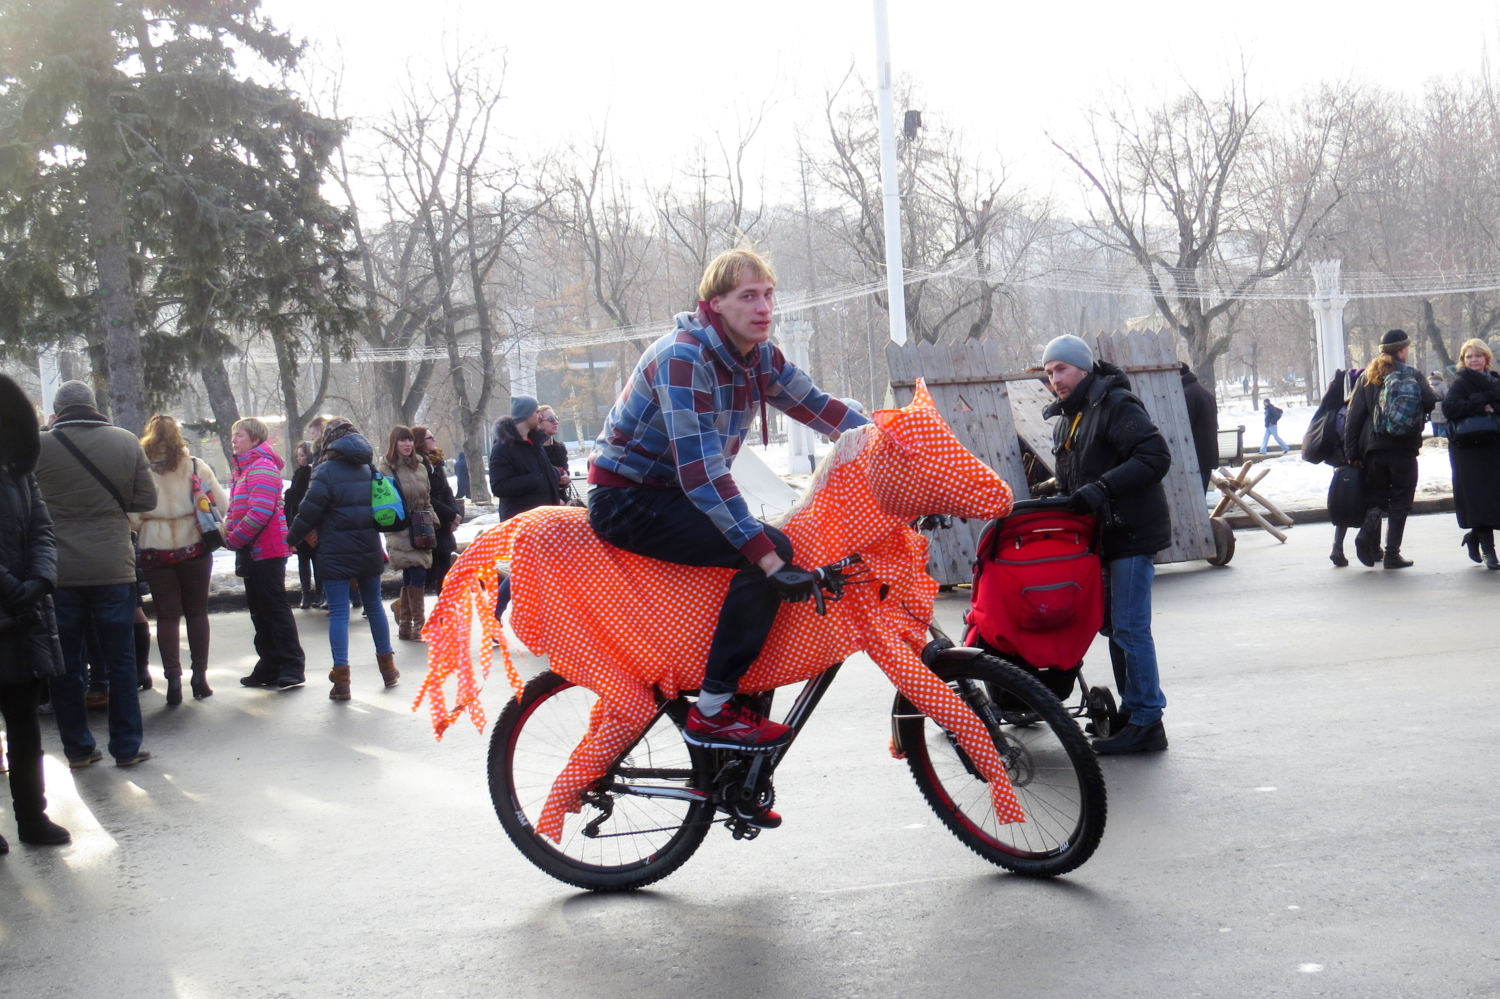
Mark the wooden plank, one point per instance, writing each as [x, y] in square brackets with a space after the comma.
[1027, 400]
[979, 413]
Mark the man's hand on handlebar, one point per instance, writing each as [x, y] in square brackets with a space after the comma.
[793, 583]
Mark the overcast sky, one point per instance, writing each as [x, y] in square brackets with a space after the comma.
[1005, 73]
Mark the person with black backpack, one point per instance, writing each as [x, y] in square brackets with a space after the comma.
[1273, 417]
[1382, 435]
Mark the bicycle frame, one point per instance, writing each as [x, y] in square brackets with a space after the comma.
[761, 763]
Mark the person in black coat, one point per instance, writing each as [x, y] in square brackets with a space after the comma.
[29, 647]
[291, 500]
[461, 471]
[1110, 459]
[521, 476]
[448, 508]
[338, 507]
[1203, 418]
[1475, 457]
[1389, 460]
[1324, 443]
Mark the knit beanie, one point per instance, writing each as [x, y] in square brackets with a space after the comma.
[73, 393]
[521, 407]
[1070, 350]
[1394, 340]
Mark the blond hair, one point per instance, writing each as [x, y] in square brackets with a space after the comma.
[731, 269]
[253, 427]
[1482, 347]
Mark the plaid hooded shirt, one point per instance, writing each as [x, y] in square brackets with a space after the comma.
[688, 408]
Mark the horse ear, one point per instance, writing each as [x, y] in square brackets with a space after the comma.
[922, 399]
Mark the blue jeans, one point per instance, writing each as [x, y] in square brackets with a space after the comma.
[110, 612]
[416, 576]
[1266, 441]
[1132, 650]
[337, 592]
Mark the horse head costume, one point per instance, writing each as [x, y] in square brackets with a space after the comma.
[630, 628]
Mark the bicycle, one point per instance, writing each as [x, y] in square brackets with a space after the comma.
[657, 802]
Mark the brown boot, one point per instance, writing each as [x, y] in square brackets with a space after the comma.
[339, 675]
[388, 671]
[416, 610]
[402, 616]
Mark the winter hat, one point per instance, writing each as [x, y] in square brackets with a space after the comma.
[73, 393]
[1394, 340]
[521, 407]
[1069, 349]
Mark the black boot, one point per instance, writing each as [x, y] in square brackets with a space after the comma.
[174, 686]
[1471, 542]
[1393, 536]
[1134, 739]
[1337, 557]
[1487, 546]
[28, 797]
[1367, 541]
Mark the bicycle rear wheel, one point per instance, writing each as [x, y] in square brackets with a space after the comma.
[618, 840]
[1053, 770]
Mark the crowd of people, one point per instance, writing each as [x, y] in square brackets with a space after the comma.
[93, 518]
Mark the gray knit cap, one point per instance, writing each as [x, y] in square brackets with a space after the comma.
[521, 407]
[1070, 350]
[73, 393]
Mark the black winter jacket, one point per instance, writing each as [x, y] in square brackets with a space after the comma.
[292, 498]
[1359, 426]
[445, 505]
[28, 549]
[337, 506]
[1203, 417]
[521, 476]
[1476, 461]
[1115, 444]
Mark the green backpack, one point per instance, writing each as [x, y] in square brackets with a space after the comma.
[386, 501]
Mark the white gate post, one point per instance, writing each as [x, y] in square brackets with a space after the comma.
[46, 358]
[1327, 302]
[522, 365]
[795, 337]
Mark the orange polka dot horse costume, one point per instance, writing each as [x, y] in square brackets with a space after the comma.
[629, 627]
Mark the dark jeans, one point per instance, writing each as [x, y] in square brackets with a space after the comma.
[307, 569]
[181, 590]
[277, 647]
[1132, 649]
[664, 524]
[1391, 481]
[110, 611]
[24, 740]
[415, 576]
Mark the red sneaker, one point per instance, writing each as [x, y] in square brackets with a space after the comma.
[735, 727]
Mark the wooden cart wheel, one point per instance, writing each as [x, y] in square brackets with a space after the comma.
[1223, 541]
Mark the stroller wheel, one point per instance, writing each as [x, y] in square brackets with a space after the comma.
[1103, 713]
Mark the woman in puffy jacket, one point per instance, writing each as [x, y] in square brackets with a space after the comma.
[1475, 456]
[173, 556]
[403, 463]
[337, 508]
[29, 649]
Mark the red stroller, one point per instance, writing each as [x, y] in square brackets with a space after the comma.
[1038, 601]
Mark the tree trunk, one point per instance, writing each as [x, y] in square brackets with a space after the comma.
[1434, 334]
[116, 314]
[221, 400]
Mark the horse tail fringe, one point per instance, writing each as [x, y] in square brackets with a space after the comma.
[469, 589]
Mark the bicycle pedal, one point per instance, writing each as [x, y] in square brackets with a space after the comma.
[741, 829]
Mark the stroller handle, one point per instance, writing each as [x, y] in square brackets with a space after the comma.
[1045, 503]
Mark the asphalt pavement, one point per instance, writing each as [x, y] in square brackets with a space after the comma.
[1324, 823]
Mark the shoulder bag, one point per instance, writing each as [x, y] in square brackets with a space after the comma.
[210, 524]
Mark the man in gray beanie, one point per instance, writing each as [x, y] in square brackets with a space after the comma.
[1110, 461]
[93, 475]
[521, 477]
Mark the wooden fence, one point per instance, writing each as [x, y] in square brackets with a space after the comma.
[991, 412]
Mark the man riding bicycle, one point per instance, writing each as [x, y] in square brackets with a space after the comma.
[663, 487]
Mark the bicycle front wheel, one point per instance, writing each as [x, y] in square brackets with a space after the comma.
[1053, 770]
[621, 838]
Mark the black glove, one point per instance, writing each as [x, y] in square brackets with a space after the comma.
[792, 583]
[1087, 499]
[32, 592]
